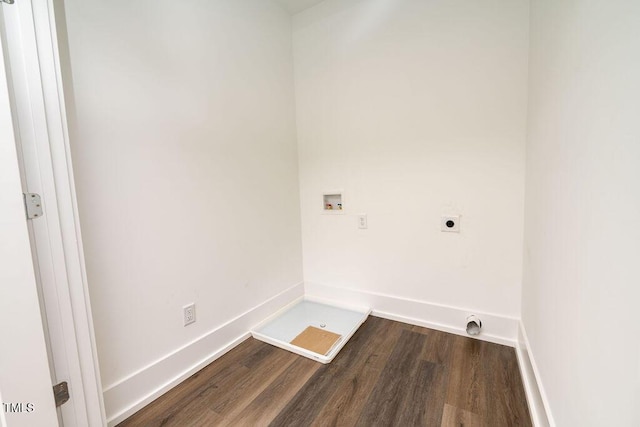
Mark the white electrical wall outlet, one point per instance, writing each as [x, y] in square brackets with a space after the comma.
[189, 313]
[450, 223]
[362, 221]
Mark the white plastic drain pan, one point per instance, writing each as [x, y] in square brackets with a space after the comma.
[281, 329]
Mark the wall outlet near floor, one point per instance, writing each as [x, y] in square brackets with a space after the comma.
[189, 314]
[450, 223]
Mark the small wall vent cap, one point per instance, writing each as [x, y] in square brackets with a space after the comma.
[474, 325]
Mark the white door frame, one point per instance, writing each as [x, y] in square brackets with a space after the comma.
[40, 114]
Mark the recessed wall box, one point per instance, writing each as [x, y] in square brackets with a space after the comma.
[332, 202]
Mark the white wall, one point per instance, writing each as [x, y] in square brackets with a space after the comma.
[185, 159]
[582, 230]
[24, 368]
[415, 109]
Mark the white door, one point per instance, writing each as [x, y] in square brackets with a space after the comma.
[25, 388]
[41, 139]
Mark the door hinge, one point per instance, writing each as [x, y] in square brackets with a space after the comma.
[61, 393]
[33, 205]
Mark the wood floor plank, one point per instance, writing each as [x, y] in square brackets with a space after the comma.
[256, 357]
[352, 389]
[161, 411]
[194, 413]
[388, 374]
[456, 417]
[385, 402]
[235, 397]
[195, 385]
[504, 387]
[437, 347]
[309, 401]
[485, 380]
[268, 404]
[422, 405]
[466, 388]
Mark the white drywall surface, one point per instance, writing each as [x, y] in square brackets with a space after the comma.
[184, 150]
[25, 381]
[582, 229]
[296, 6]
[415, 109]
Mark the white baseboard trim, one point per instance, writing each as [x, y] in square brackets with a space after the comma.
[536, 397]
[495, 328]
[125, 397]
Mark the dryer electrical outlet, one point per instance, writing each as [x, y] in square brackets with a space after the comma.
[450, 223]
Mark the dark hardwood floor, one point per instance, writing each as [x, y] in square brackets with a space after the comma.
[388, 374]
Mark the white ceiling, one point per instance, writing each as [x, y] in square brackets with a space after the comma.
[295, 6]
